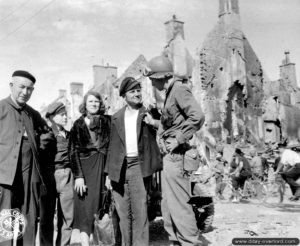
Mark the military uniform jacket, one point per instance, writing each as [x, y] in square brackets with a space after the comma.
[11, 132]
[182, 115]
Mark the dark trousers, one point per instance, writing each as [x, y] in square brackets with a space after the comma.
[20, 196]
[290, 176]
[178, 215]
[117, 229]
[131, 203]
[239, 181]
[60, 189]
[219, 185]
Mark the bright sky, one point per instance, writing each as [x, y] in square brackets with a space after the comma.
[59, 41]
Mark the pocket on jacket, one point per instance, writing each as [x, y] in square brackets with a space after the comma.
[191, 160]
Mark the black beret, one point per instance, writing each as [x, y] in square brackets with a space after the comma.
[128, 84]
[25, 74]
[238, 151]
[281, 145]
[55, 108]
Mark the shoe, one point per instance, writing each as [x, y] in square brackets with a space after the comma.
[235, 200]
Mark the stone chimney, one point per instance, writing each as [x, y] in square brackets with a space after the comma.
[288, 71]
[76, 88]
[103, 73]
[62, 93]
[228, 7]
[173, 27]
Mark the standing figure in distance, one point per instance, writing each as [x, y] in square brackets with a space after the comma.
[24, 138]
[258, 165]
[181, 118]
[59, 182]
[133, 157]
[89, 138]
[240, 171]
[218, 168]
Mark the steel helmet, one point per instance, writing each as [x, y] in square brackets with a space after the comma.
[159, 67]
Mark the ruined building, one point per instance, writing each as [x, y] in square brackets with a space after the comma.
[107, 84]
[104, 77]
[71, 101]
[239, 103]
[228, 80]
[281, 112]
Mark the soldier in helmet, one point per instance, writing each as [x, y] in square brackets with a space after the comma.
[181, 118]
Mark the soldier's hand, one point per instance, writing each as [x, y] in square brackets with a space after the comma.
[80, 187]
[171, 144]
[108, 183]
[148, 119]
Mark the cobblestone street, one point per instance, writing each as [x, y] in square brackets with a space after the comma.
[241, 220]
[244, 220]
[254, 220]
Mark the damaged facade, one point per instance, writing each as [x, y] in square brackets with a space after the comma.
[281, 112]
[71, 101]
[228, 80]
[240, 104]
[110, 87]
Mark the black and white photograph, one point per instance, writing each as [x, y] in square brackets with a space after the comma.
[149, 123]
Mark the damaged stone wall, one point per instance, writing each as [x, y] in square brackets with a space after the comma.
[228, 80]
[240, 105]
[104, 77]
[281, 110]
[108, 87]
[281, 121]
[135, 70]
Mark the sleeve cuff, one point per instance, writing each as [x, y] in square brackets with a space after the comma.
[78, 177]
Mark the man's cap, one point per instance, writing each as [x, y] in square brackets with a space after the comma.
[281, 145]
[25, 74]
[128, 84]
[159, 67]
[238, 151]
[55, 108]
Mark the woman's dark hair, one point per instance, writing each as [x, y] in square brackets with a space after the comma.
[82, 107]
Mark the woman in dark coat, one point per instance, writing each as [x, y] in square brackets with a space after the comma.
[89, 138]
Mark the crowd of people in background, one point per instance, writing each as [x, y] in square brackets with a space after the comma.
[281, 160]
[47, 170]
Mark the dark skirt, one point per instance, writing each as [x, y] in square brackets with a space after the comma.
[87, 205]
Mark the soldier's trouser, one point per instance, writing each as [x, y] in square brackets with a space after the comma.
[178, 215]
